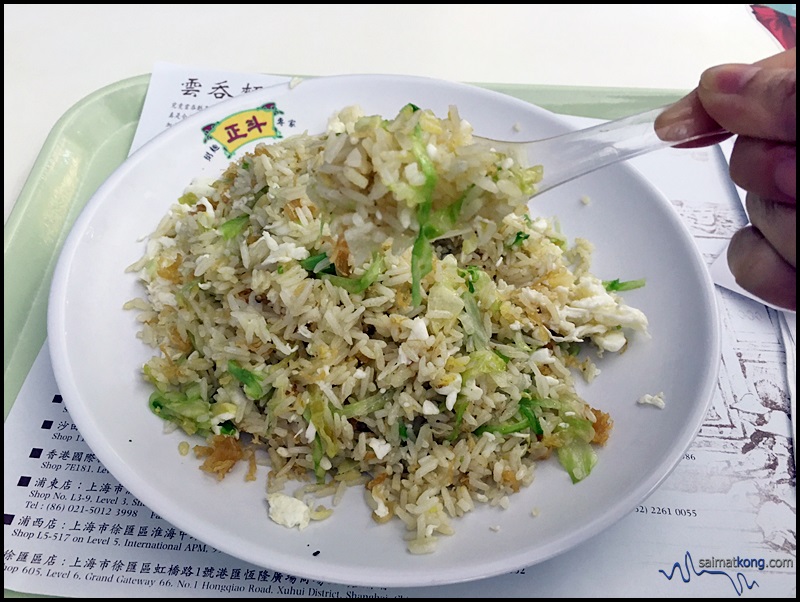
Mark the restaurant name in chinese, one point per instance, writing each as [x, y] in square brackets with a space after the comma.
[238, 129]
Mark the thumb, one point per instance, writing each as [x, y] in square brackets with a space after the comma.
[751, 100]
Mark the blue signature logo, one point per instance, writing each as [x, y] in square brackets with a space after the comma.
[738, 580]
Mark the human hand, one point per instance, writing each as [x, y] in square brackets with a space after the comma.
[757, 103]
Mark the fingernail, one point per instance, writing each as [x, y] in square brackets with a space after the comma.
[674, 122]
[682, 120]
[728, 79]
[786, 177]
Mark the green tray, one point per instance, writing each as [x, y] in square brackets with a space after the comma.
[93, 137]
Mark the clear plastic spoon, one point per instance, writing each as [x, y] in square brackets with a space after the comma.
[568, 156]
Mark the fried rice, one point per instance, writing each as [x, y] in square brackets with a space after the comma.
[376, 306]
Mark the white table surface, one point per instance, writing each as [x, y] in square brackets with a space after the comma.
[55, 55]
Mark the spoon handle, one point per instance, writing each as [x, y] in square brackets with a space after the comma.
[574, 154]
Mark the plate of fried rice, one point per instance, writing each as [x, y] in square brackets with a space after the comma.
[328, 329]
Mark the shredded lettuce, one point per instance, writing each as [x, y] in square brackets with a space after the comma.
[618, 285]
[444, 220]
[442, 298]
[320, 415]
[529, 421]
[252, 385]
[315, 264]
[422, 253]
[502, 429]
[471, 275]
[578, 458]
[459, 408]
[483, 361]
[421, 265]
[356, 286]
[316, 456]
[575, 452]
[309, 263]
[233, 227]
[192, 413]
[572, 438]
[366, 406]
[472, 322]
[519, 239]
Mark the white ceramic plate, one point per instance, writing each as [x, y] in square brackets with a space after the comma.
[97, 357]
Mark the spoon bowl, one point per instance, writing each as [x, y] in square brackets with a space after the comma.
[568, 156]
